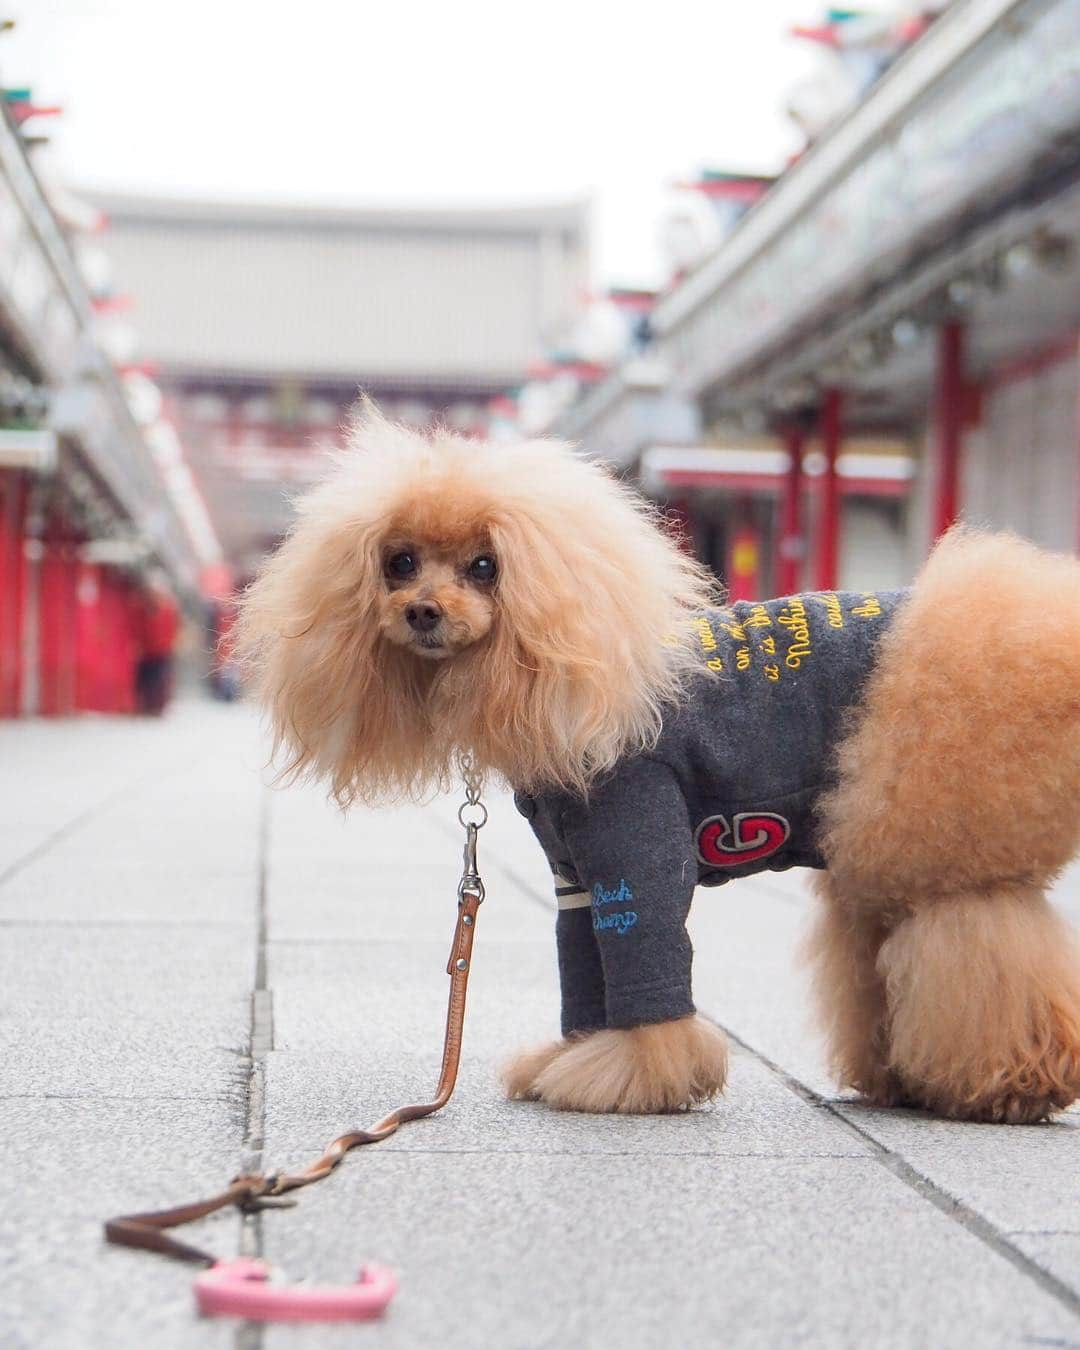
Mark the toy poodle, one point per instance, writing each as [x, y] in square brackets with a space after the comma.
[921, 748]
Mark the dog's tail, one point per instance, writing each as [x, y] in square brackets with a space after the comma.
[962, 766]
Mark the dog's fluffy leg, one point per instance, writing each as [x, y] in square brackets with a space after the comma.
[666, 1066]
[520, 1073]
[984, 1006]
[849, 994]
[957, 802]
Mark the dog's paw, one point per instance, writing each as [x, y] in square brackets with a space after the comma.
[1031, 1084]
[667, 1066]
[984, 1007]
[519, 1074]
[878, 1086]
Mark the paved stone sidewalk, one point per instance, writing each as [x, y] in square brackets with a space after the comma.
[158, 907]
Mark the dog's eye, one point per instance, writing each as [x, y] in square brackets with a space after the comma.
[482, 568]
[401, 565]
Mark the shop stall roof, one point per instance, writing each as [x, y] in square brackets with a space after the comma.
[977, 121]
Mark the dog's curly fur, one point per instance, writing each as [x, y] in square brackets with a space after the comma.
[942, 976]
[593, 601]
[666, 1066]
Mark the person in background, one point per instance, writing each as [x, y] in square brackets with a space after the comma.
[159, 627]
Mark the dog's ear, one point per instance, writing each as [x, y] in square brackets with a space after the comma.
[342, 707]
[592, 637]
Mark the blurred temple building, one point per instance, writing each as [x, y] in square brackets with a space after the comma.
[260, 325]
[846, 359]
[888, 337]
[96, 527]
[172, 373]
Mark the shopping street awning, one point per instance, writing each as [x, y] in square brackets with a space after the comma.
[761, 470]
[962, 155]
[26, 449]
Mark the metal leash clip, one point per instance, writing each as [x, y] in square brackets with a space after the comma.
[470, 877]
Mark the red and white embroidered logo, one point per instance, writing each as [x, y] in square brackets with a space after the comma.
[751, 835]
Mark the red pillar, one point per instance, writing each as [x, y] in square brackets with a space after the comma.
[90, 650]
[57, 626]
[52, 618]
[116, 679]
[948, 423]
[789, 540]
[13, 501]
[113, 686]
[828, 550]
[129, 647]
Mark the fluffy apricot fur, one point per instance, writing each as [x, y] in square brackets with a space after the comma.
[666, 1066]
[942, 977]
[587, 648]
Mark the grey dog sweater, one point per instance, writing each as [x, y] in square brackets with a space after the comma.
[729, 789]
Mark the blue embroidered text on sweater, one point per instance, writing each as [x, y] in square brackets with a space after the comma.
[730, 789]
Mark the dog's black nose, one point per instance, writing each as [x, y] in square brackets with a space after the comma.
[423, 617]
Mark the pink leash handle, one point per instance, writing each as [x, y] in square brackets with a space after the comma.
[239, 1289]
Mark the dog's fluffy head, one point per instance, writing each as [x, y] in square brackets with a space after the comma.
[439, 594]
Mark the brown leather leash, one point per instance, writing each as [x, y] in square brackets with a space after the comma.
[252, 1192]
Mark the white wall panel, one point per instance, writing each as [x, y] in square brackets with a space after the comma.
[1020, 466]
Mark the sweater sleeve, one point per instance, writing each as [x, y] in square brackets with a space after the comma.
[581, 975]
[633, 850]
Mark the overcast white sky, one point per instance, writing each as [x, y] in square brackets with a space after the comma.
[400, 102]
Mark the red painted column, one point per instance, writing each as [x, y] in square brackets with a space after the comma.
[130, 648]
[948, 423]
[116, 688]
[12, 589]
[57, 626]
[828, 543]
[90, 652]
[789, 538]
[111, 688]
[72, 565]
[51, 617]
